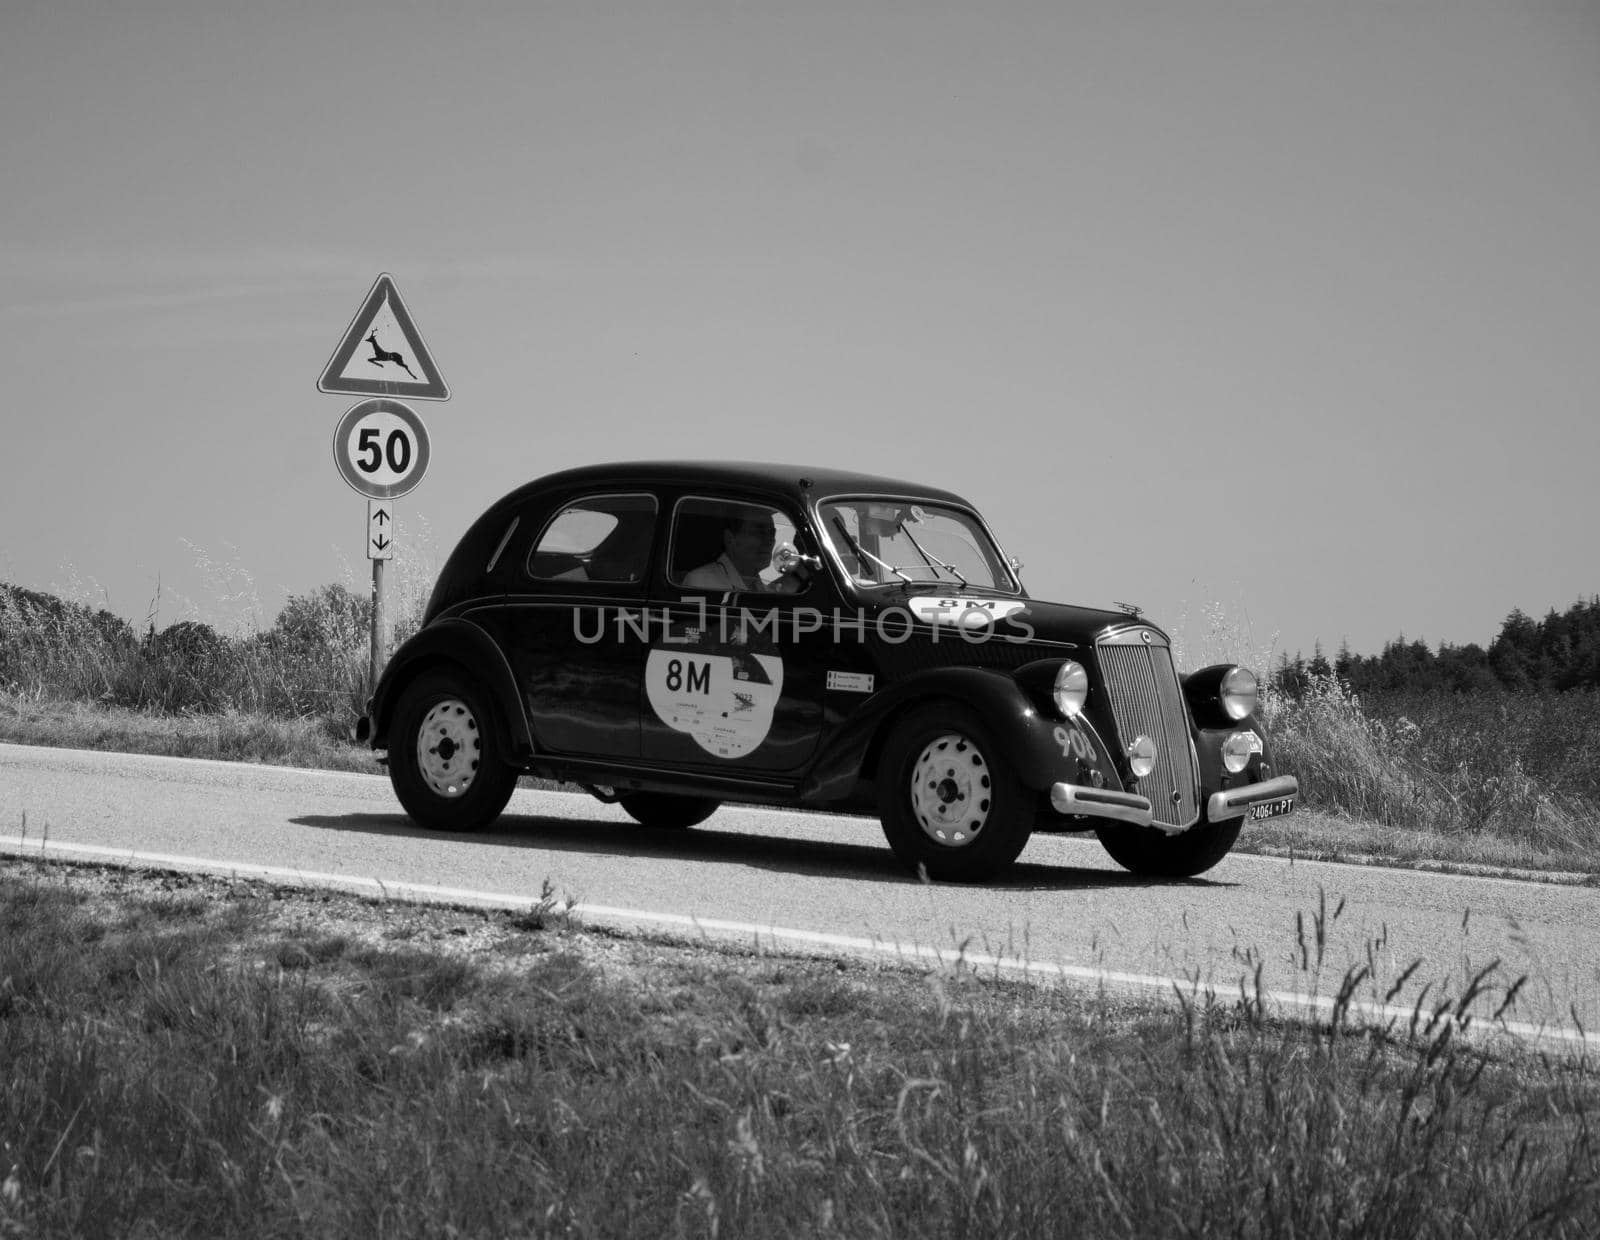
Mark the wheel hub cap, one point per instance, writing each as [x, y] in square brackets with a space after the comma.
[448, 748]
[950, 790]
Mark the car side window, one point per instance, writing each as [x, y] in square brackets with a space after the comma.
[721, 546]
[601, 538]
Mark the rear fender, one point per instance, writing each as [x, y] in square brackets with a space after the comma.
[452, 643]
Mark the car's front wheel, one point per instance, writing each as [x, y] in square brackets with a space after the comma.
[666, 811]
[949, 801]
[1155, 854]
[446, 756]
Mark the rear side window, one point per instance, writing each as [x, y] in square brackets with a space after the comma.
[602, 538]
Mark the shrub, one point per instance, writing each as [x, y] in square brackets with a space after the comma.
[48, 644]
[1509, 764]
[313, 662]
[1345, 761]
[185, 667]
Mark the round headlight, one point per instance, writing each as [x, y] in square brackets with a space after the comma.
[1237, 749]
[1071, 688]
[1141, 756]
[1239, 693]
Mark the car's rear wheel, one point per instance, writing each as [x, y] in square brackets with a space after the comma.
[446, 756]
[950, 803]
[1155, 854]
[667, 811]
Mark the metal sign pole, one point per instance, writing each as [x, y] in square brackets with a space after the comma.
[380, 546]
[379, 619]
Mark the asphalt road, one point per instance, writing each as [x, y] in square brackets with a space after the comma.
[829, 883]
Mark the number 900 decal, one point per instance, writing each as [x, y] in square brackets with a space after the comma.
[1074, 744]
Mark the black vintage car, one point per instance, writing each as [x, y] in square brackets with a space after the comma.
[672, 636]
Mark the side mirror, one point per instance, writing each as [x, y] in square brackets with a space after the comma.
[786, 559]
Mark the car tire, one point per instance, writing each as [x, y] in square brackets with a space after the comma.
[446, 755]
[1152, 853]
[950, 803]
[667, 811]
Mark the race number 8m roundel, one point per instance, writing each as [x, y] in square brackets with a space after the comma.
[381, 448]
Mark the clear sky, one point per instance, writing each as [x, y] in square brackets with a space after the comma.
[1282, 311]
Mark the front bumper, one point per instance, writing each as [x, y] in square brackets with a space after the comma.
[1236, 802]
[1101, 803]
[1132, 808]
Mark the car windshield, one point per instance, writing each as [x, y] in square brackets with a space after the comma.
[882, 542]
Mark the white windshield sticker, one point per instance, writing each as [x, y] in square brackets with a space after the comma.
[724, 702]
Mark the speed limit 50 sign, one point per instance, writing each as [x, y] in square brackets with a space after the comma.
[381, 448]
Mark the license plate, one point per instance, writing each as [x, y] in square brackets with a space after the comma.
[1271, 809]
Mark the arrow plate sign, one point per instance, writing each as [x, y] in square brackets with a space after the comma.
[380, 529]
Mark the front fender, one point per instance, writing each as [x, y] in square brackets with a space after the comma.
[1039, 747]
[462, 644]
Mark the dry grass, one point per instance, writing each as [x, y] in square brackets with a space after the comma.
[193, 1056]
[310, 664]
[1315, 835]
[226, 735]
[1460, 779]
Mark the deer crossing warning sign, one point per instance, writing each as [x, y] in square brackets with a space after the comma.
[382, 353]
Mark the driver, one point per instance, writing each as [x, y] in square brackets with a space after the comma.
[747, 540]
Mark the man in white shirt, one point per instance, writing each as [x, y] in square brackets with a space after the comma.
[747, 542]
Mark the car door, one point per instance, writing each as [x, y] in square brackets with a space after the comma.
[733, 671]
[578, 673]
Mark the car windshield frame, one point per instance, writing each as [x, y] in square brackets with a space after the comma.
[945, 579]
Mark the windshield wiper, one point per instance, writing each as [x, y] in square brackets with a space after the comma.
[863, 554]
[932, 560]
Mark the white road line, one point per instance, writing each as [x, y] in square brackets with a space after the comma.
[1287, 1001]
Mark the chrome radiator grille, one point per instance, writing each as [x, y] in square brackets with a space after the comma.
[1145, 698]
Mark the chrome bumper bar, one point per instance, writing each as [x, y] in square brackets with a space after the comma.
[1101, 803]
[1130, 807]
[1236, 802]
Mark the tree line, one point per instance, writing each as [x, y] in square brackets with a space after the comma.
[1555, 654]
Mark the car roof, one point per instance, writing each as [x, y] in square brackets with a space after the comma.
[798, 482]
